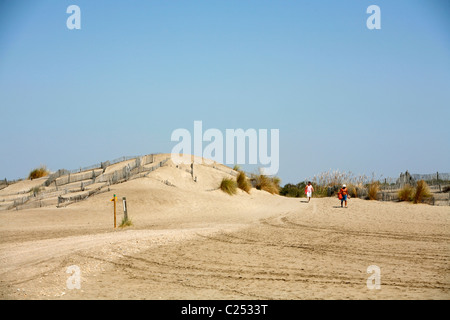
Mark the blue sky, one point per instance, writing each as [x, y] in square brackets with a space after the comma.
[343, 96]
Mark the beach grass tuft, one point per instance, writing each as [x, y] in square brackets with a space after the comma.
[125, 223]
[229, 186]
[243, 183]
[422, 192]
[265, 183]
[374, 187]
[38, 173]
[406, 193]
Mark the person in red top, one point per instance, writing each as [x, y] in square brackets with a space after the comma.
[343, 195]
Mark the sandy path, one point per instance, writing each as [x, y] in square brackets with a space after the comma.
[37, 268]
[303, 251]
[314, 253]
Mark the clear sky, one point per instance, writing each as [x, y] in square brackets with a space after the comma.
[343, 96]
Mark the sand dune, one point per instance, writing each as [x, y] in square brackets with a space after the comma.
[192, 241]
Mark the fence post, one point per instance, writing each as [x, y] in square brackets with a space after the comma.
[125, 211]
[114, 199]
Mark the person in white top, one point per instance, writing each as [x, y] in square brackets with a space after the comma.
[309, 190]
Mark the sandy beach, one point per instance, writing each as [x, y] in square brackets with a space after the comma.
[191, 241]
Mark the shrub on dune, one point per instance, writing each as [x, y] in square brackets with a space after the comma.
[406, 194]
[38, 173]
[292, 190]
[229, 186]
[35, 191]
[422, 192]
[243, 183]
[259, 180]
[276, 182]
[352, 191]
[274, 186]
[265, 183]
[374, 187]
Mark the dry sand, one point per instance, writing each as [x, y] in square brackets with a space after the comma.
[191, 241]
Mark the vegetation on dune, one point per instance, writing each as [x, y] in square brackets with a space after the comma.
[406, 194]
[35, 191]
[265, 183]
[352, 191]
[419, 194]
[374, 187]
[293, 190]
[125, 223]
[328, 183]
[243, 183]
[334, 180]
[38, 173]
[229, 186]
[422, 192]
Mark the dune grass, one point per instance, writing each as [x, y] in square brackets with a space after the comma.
[125, 223]
[229, 186]
[352, 191]
[422, 192]
[374, 187]
[406, 194]
[38, 173]
[243, 183]
[265, 183]
[35, 191]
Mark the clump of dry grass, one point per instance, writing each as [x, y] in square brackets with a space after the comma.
[38, 173]
[125, 223]
[229, 186]
[243, 183]
[422, 192]
[374, 187]
[35, 191]
[406, 194]
[263, 182]
[352, 191]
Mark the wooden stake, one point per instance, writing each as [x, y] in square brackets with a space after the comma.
[114, 199]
